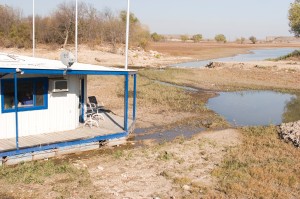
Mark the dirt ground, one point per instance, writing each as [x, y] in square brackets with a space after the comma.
[178, 169]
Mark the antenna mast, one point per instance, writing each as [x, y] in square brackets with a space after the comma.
[33, 29]
[76, 33]
[127, 34]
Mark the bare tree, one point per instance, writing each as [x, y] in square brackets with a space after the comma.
[94, 27]
[63, 22]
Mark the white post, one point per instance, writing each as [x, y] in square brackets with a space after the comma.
[76, 33]
[127, 34]
[33, 29]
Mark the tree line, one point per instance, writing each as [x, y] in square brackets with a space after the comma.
[94, 27]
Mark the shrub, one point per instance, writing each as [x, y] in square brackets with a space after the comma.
[184, 38]
[156, 37]
[240, 40]
[197, 38]
[220, 38]
[253, 39]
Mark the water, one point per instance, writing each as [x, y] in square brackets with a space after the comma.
[252, 108]
[160, 136]
[254, 55]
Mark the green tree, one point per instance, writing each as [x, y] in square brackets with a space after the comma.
[196, 38]
[294, 18]
[253, 39]
[156, 37]
[184, 38]
[20, 35]
[139, 35]
[132, 18]
[220, 38]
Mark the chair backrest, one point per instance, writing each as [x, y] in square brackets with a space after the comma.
[93, 99]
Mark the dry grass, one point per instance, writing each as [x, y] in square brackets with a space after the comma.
[228, 78]
[160, 103]
[263, 166]
[149, 93]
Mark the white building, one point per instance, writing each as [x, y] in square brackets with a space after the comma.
[40, 97]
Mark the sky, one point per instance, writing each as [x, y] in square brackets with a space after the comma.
[233, 18]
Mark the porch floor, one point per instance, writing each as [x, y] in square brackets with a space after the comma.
[111, 124]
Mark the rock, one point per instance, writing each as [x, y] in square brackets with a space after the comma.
[206, 123]
[186, 187]
[290, 132]
[100, 168]
[210, 65]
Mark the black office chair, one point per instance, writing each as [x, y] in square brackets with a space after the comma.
[93, 101]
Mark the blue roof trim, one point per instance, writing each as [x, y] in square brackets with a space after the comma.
[62, 144]
[69, 72]
[7, 70]
[85, 72]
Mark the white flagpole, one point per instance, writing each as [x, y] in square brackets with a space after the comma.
[76, 33]
[127, 34]
[33, 29]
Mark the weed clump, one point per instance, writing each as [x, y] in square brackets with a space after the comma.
[37, 172]
[293, 55]
[262, 167]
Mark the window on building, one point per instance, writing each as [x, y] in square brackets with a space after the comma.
[32, 94]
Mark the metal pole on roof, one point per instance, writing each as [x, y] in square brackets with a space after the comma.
[127, 34]
[16, 108]
[76, 32]
[33, 29]
[134, 98]
[126, 94]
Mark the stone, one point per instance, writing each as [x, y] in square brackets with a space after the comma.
[100, 168]
[186, 187]
[290, 132]
[206, 123]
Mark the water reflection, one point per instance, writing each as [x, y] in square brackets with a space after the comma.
[251, 108]
[292, 110]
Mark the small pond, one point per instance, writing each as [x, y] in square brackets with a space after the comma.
[254, 55]
[252, 108]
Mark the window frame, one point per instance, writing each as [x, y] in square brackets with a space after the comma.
[34, 80]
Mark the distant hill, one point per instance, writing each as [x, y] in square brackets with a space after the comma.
[282, 39]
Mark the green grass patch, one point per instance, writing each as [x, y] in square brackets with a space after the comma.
[182, 181]
[118, 154]
[38, 172]
[263, 166]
